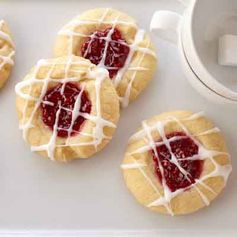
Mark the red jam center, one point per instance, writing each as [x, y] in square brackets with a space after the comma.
[64, 98]
[182, 147]
[106, 47]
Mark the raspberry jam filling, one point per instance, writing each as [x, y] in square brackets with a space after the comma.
[64, 99]
[182, 147]
[107, 48]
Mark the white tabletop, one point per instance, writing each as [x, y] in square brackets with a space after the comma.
[90, 195]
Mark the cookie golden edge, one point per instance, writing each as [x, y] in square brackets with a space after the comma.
[68, 42]
[190, 201]
[39, 133]
[7, 52]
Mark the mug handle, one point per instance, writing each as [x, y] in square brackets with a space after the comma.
[166, 24]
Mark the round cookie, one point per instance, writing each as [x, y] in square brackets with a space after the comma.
[176, 163]
[112, 40]
[6, 53]
[67, 107]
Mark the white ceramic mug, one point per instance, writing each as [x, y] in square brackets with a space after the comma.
[186, 32]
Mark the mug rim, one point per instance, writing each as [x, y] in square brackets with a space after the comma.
[204, 86]
[189, 47]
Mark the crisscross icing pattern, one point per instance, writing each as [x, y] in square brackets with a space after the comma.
[6, 59]
[97, 74]
[203, 154]
[72, 30]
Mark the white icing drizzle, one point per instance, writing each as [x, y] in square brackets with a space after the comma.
[210, 131]
[133, 166]
[99, 74]
[195, 116]
[71, 28]
[6, 59]
[203, 154]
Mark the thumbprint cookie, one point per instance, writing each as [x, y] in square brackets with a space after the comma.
[112, 40]
[67, 108]
[6, 53]
[176, 163]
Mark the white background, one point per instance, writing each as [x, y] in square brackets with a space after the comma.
[37, 194]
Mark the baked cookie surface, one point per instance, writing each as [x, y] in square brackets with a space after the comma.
[7, 51]
[67, 108]
[176, 163]
[112, 40]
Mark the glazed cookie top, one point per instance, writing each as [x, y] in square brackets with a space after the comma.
[6, 52]
[67, 107]
[180, 160]
[112, 40]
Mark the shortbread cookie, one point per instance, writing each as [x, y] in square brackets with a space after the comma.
[112, 40]
[68, 108]
[176, 163]
[6, 53]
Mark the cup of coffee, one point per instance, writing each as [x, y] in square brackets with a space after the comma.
[206, 37]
